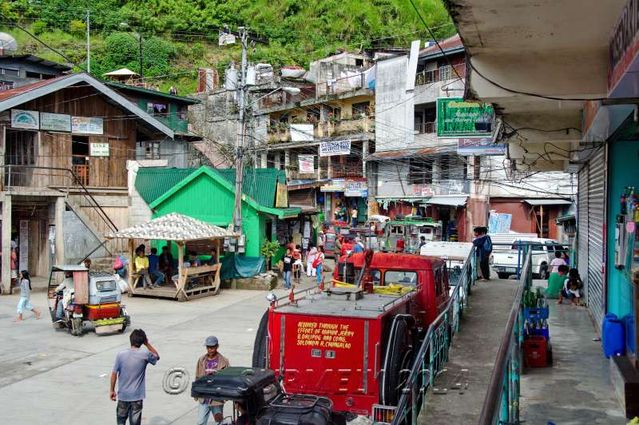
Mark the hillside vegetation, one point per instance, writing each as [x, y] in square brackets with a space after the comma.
[179, 36]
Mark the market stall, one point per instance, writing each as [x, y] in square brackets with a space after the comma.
[192, 279]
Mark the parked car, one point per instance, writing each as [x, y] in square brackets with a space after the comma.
[506, 263]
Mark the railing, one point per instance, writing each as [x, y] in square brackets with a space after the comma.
[14, 172]
[363, 124]
[501, 404]
[443, 73]
[425, 127]
[433, 353]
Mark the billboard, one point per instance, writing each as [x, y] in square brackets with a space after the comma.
[337, 147]
[55, 122]
[479, 146]
[306, 164]
[457, 118]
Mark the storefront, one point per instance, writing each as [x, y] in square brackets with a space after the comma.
[341, 196]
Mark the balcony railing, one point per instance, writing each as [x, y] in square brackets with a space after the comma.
[324, 129]
[345, 83]
[425, 127]
[443, 73]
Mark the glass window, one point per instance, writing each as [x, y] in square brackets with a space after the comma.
[397, 277]
[106, 285]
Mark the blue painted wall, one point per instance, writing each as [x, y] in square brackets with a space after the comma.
[623, 171]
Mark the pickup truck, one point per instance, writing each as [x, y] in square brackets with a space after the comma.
[543, 252]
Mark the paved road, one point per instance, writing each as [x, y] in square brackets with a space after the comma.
[49, 376]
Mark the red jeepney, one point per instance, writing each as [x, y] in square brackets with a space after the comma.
[354, 344]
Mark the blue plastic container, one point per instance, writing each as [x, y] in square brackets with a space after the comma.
[613, 336]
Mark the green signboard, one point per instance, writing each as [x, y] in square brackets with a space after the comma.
[456, 118]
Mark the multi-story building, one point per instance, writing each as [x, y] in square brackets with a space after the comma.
[419, 168]
[321, 135]
[20, 70]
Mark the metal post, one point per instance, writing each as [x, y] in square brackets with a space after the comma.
[88, 42]
[239, 146]
[6, 244]
[141, 55]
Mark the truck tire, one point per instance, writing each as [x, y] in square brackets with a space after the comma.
[259, 346]
[398, 356]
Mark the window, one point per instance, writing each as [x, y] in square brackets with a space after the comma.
[361, 109]
[10, 71]
[445, 72]
[151, 150]
[452, 167]
[420, 171]
[6, 85]
[403, 278]
[21, 147]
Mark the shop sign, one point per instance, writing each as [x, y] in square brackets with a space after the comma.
[336, 147]
[281, 196]
[356, 188]
[98, 149]
[29, 120]
[306, 164]
[87, 125]
[336, 185]
[423, 190]
[479, 146]
[624, 45]
[302, 132]
[456, 118]
[55, 122]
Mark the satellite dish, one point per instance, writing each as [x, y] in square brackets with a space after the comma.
[8, 44]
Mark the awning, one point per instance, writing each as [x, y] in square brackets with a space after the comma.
[172, 227]
[453, 201]
[537, 202]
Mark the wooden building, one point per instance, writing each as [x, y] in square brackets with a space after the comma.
[64, 147]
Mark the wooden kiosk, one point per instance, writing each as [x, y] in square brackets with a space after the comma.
[189, 282]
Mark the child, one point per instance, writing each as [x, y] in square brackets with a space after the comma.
[556, 284]
[25, 296]
[557, 261]
[575, 285]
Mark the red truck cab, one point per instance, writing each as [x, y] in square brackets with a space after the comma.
[349, 345]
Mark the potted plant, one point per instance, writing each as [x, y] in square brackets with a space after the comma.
[268, 250]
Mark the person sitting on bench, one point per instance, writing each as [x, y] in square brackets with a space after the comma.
[142, 268]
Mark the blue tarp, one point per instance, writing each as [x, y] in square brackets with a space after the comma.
[234, 267]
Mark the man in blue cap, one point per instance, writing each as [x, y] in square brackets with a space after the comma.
[208, 364]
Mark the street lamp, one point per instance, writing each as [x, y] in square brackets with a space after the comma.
[125, 25]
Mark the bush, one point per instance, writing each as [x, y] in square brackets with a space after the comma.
[38, 27]
[77, 27]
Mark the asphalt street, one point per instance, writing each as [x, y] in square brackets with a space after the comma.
[48, 376]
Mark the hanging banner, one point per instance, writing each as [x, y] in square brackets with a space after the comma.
[336, 185]
[337, 147]
[479, 146]
[29, 120]
[55, 122]
[456, 118]
[306, 164]
[87, 125]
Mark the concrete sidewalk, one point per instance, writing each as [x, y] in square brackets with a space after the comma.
[577, 389]
[472, 357]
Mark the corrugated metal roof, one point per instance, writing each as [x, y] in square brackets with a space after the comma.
[450, 43]
[537, 202]
[8, 94]
[153, 182]
[258, 183]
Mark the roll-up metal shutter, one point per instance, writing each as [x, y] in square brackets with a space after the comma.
[596, 223]
[582, 228]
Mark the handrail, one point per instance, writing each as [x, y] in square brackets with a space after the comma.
[77, 180]
[497, 403]
[428, 366]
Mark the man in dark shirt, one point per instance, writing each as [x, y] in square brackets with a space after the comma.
[166, 262]
[154, 271]
[483, 244]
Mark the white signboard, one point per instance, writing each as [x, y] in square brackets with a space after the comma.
[306, 164]
[23, 248]
[55, 122]
[25, 119]
[98, 149]
[337, 147]
[301, 132]
[87, 125]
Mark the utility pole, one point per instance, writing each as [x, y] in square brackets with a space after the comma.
[88, 43]
[141, 55]
[239, 145]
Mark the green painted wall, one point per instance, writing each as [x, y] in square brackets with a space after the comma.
[207, 200]
[623, 157]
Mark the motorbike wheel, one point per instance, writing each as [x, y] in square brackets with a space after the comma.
[76, 327]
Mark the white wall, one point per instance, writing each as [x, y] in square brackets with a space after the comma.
[394, 106]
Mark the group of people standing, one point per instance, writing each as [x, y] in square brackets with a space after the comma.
[293, 263]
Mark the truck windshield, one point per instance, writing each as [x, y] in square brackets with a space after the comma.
[400, 278]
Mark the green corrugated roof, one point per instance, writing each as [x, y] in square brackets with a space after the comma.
[153, 182]
[258, 183]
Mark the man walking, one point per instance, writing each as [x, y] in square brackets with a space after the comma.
[484, 246]
[208, 364]
[130, 371]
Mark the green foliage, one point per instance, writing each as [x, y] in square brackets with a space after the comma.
[77, 27]
[181, 35]
[269, 249]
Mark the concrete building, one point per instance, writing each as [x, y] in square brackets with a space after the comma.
[20, 70]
